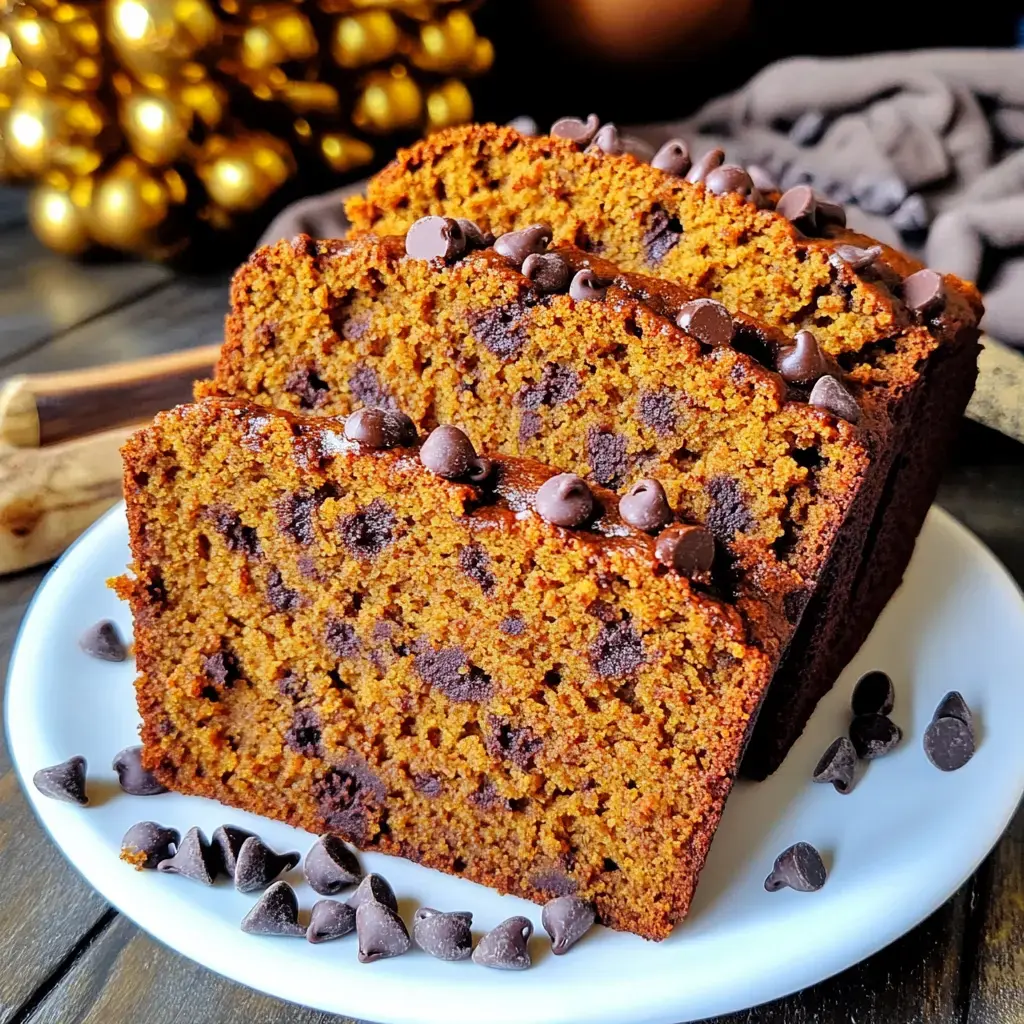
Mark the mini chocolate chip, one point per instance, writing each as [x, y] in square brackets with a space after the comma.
[586, 285]
[64, 781]
[146, 844]
[707, 320]
[194, 859]
[548, 271]
[673, 158]
[830, 395]
[479, 470]
[381, 933]
[104, 642]
[803, 362]
[567, 919]
[873, 694]
[445, 935]
[953, 705]
[799, 206]
[564, 500]
[728, 178]
[432, 238]
[837, 765]
[606, 140]
[874, 735]
[798, 867]
[132, 777]
[573, 129]
[227, 840]
[505, 947]
[517, 245]
[856, 257]
[329, 920]
[689, 550]
[373, 889]
[331, 866]
[276, 912]
[447, 452]
[476, 237]
[258, 865]
[380, 428]
[708, 162]
[924, 290]
[762, 179]
[645, 505]
[948, 743]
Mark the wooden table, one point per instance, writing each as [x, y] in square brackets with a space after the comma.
[65, 956]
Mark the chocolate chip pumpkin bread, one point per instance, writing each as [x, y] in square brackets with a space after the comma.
[358, 638]
[905, 336]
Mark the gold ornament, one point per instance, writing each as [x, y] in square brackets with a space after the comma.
[343, 152]
[309, 97]
[155, 37]
[58, 48]
[130, 204]
[58, 214]
[446, 45]
[365, 38]
[206, 99]
[389, 101]
[156, 126]
[10, 71]
[47, 130]
[276, 35]
[240, 174]
[449, 104]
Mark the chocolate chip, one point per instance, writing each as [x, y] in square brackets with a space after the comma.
[953, 705]
[146, 844]
[221, 669]
[296, 514]
[64, 781]
[829, 212]
[276, 912]
[618, 651]
[194, 859]
[873, 694]
[347, 795]
[369, 531]
[517, 245]
[476, 237]
[226, 841]
[837, 765]
[874, 735]
[331, 866]
[661, 234]
[479, 470]
[132, 777]
[448, 671]
[445, 935]
[558, 384]
[608, 456]
[728, 514]
[924, 290]
[505, 947]
[524, 125]
[104, 642]
[380, 428]
[587, 286]
[381, 933]
[799, 867]
[303, 735]
[548, 271]
[855, 257]
[567, 919]
[366, 388]
[689, 550]
[340, 639]
[707, 320]
[606, 140]
[447, 452]
[427, 783]
[564, 500]
[673, 158]
[708, 162]
[529, 427]
[308, 387]
[830, 395]
[799, 206]
[728, 178]
[949, 743]
[512, 626]
[510, 743]
[374, 889]
[803, 362]
[258, 865]
[237, 536]
[280, 596]
[329, 920]
[762, 179]
[645, 505]
[572, 129]
[432, 238]
[474, 562]
[658, 410]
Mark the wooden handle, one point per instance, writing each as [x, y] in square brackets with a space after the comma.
[48, 496]
[47, 408]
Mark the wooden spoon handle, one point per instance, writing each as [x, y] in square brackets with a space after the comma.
[45, 408]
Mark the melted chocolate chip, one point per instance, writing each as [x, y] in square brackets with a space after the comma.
[280, 596]
[303, 735]
[512, 626]
[132, 777]
[64, 781]
[564, 500]
[340, 639]
[435, 238]
[331, 866]
[365, 387]
[448, 671]
[837, 765]
[517, 744]
[446, 936]
[228, 524]
[607, 455]
[146, 844]
[557, 384]
[369, 531]
[474, 562]
[707, 320]
[103, 641]
[295, 517]
[924, 291]
[221, 669]
[573, 129]
[548, 271]
[618, 650]
[586, 286]
[346, 794]
[728, 514]
[567, 919]
[529, 427]
[661, 235]
[657, 410]
[689, 550]
[501, 330]
[799, 867]
[428, 784]
[308, 387]
[518, 245]
[447, 452]
[673, 158]
[645, 505]
[830, 395]
[708, 162]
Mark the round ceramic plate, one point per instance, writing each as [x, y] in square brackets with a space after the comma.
[898, 846]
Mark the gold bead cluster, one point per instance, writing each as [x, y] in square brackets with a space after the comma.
[138, 120]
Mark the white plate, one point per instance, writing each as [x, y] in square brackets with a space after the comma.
[897, 847]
